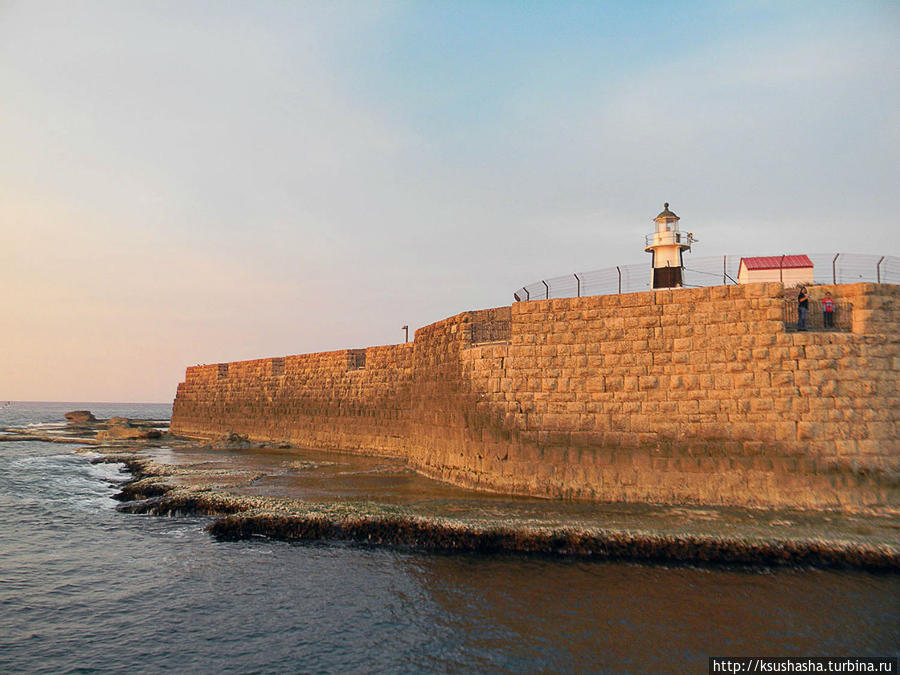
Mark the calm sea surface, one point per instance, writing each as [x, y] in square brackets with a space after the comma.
[84, 588]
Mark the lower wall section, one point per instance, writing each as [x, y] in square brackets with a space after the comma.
[323, 400]
[689, 395]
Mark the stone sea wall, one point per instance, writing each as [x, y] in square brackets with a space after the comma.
[679, 396]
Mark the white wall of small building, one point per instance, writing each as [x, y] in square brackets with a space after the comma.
[792, 276]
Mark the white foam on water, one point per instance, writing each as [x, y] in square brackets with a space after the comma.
[110, 472]
[47, 425]
[69, 480]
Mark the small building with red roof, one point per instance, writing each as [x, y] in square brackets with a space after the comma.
[791, 270]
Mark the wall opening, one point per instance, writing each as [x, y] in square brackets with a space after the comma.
[278, 366]
[490, 331]
[356, 359]
[223, 371]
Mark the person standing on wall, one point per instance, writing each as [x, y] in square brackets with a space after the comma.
[802, 308]
[828, 311]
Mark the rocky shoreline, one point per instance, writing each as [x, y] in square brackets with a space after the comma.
[219, 481]
[242, 517]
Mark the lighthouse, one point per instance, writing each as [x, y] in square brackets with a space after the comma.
[666, 246]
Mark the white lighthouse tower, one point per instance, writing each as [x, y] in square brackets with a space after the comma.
[666, 245]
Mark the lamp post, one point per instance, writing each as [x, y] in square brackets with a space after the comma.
[405, 333]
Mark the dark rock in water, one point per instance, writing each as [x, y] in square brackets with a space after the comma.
[233, 442]
[81, 417]
[118, 422]
[138, 490]
[149, 505]
[609, 544]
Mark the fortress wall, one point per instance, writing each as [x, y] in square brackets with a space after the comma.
[689, 395]
[448, 432]
[319, 400]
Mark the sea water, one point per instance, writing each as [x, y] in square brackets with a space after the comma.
[84, 588]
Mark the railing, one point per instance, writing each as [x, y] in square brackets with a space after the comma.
[668, 237]
[815, 318]
[828, 268]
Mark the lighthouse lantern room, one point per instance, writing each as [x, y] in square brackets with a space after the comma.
[666, 246]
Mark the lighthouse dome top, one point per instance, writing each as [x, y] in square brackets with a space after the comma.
[666, 214]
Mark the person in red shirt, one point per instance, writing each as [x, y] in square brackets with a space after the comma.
[828, 311]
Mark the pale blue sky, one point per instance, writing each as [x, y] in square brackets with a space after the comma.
[192, 182]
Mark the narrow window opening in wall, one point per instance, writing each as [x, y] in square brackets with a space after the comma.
[223, 371]
[278, 366]
[356, 359]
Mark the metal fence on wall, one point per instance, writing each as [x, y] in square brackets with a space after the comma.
[828, 268]
[841, 317]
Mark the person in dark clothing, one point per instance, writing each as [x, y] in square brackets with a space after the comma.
[802, 308]
[828, 311]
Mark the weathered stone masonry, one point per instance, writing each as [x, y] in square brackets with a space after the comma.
[689, 395]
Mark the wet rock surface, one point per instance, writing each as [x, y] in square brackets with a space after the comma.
[80, 417]
[308, 495]
[127, 432]
[299, 494]
[83, 427]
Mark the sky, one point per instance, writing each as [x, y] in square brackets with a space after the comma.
[192, 182]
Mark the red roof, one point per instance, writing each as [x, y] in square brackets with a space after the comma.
[774, 262]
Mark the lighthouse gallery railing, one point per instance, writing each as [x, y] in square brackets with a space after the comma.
[669, 237]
